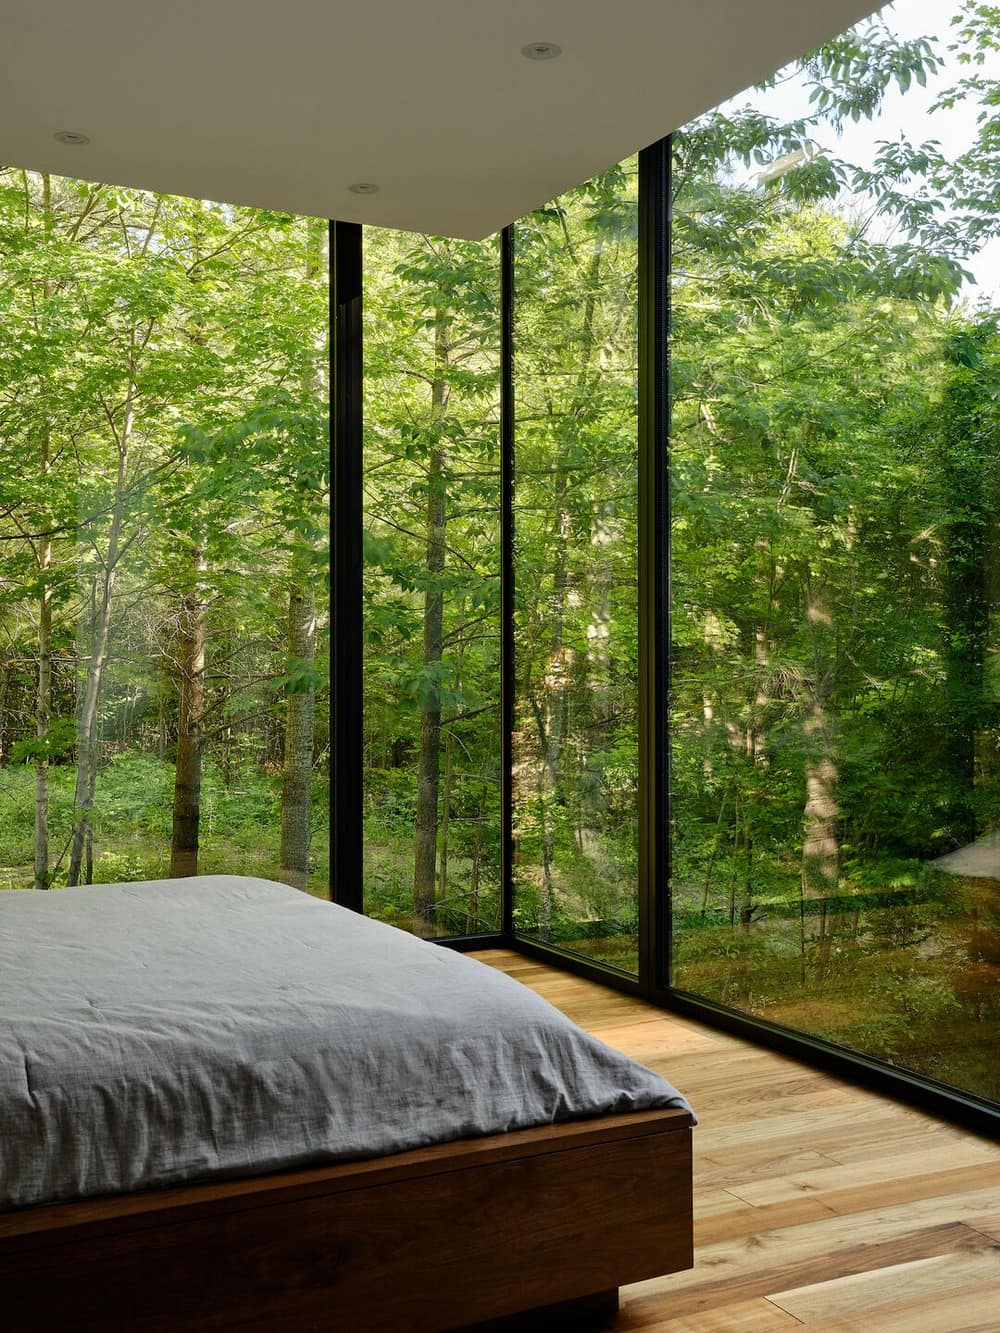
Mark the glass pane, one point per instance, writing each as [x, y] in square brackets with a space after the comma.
[432, 582]
[575, 521]
[163, 491]
[836, 479]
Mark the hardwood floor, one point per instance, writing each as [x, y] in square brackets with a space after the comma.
[817, 1204]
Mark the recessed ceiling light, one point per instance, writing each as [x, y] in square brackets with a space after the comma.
[71, 137]
[541, 51]
[363, 187]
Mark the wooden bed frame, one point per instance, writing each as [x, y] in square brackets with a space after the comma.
[418, 1242]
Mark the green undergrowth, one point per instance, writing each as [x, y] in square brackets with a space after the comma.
[240, 823]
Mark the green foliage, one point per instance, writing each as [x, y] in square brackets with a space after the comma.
[131, 822]
[835, 485]
[56, 743]
[835, 689]
[432, 339]
[166, 436]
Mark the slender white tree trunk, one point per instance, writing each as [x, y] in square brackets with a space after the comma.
[296, 803]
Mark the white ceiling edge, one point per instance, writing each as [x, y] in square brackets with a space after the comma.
[286, 105]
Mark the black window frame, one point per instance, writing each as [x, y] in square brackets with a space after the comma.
[654, 982]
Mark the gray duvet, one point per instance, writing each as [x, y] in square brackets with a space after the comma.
[220, 1026]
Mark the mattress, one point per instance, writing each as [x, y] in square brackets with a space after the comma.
[193, 1029]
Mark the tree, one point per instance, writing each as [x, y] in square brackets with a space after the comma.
[129, 314]
[432, 594]
[832, 471]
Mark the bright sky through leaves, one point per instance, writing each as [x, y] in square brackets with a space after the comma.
[906, 115]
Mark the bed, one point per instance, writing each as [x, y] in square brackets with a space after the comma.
[224, 1104]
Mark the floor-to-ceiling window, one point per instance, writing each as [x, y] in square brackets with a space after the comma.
[575, 510]
[163, 538]
[834, 686]
[836, 550]
[432, 747]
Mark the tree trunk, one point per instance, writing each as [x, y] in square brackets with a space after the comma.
[162, 712]
[226, 759]
[429, 760]
[449, 766]
[821, 847]
[296, 796]
[820, 873]
[5, 673]
[472, 911]
[449, 745]
[187, 781]
[552, 722]
[43, 697]
[100, 629]
[558, 686]
[43, 708]
[966, 606]
[300, 707]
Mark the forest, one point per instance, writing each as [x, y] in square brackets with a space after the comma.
[836, 571]
[836, 568]
[835, 678]
[834, 561]
[163, 538]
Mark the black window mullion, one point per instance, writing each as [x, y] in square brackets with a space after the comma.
[654, 568]
[346, 399]
[507, 581]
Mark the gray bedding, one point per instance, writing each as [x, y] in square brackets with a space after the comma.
[220, 1026]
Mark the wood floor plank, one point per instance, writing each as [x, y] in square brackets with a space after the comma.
[974, 1309]
[839, 1124]
[718, 1279]
[861, 1199]
[818, 1205]
[727, 1225]
[849, 1143]
[906, 1189]
[921, 1280]
[758, 1316]
[745, 1107]
[713, 1228]
[732, 1170]
[649, 1039]
[834, 1232]
[904, 1137]
[942, 1163]
[719, 1202]
[988, 1224]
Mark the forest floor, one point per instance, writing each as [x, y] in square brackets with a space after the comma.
[910, 977]
[908, 974]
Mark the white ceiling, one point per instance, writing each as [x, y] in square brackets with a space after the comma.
[285, 103]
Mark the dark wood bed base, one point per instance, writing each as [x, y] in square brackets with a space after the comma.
[454, 1235]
